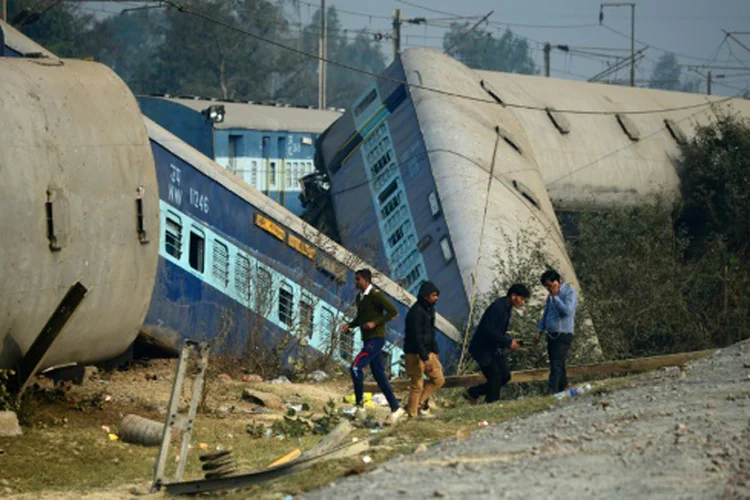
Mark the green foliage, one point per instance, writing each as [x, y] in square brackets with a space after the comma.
[61, 29]
[8, 401]
[715, 181]
[645, 296]
[667, 75]
[481, 50]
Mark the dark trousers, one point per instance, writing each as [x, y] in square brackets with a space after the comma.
[557, 349]
[370, 355]
[497, 374]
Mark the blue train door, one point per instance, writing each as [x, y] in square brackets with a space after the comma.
[282, 178]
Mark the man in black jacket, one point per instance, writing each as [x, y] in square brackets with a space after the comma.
[490, 340]
[421, 349]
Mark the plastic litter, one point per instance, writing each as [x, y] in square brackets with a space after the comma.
[483, 423]
[113, 437]
[367, 459]
[351, 399]
[573, 391]
[106, 429]
[379, 399]
[203, 446]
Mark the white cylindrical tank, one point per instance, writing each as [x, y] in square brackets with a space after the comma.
[79, 202]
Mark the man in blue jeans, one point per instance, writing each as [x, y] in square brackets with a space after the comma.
[373, 312]
[558, 321]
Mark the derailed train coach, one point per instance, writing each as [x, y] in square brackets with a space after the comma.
[79, 205]
[237, 268]
[447, 170]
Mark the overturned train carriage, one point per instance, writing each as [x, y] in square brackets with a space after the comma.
[241, 271]
[79, 204]
[445, 185]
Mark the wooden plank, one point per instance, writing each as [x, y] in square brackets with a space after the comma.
[605, 369]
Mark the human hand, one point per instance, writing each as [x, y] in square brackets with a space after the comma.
[369, 325]
[515, 345]
[428, 366]
[344, 328]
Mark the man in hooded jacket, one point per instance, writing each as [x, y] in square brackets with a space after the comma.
[421, 349]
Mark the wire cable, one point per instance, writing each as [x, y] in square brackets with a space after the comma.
[185, 10]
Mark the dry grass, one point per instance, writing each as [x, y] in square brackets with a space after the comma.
[64, 453]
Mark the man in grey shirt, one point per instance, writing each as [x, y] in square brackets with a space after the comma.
[558, 321]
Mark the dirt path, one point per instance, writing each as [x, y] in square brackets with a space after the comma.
[670, 435]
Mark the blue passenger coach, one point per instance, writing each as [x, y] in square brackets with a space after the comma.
[271, 147]
[230, 259]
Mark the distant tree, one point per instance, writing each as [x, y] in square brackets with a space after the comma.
[200, 57]
[481, 50]
[343, 85]
[128, 43]
[60, 27]
[667, 75]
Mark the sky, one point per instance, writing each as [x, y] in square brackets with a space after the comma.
[692, 29]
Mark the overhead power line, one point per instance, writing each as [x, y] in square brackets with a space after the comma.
[186, 10]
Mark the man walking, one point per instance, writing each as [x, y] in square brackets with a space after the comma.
[490, 340]
[558, 320]
[421, 349]
[373, 312]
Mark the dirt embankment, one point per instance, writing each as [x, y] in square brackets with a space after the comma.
[671, 434]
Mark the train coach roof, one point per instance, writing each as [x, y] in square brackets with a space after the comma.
[15, 40]
[281, 215]
[262, 116]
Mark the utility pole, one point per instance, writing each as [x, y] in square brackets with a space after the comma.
[322, 41]
[708, 84]
[632, 32]
[396, 33]
[547, 49]
[396, 36]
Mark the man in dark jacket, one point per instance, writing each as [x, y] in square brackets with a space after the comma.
[490, 340]
[421, 349]
[374, 310]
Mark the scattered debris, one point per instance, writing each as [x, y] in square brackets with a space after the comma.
[318, 376]
[138, 430]
[252, 378]
[113, 437]
[420, 449]
[483, 423]
[271, 401]
[280, 380]
[9, 424]
[379, 399]
[367, 459]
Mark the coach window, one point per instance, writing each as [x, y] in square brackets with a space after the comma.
[242, 277]
[434, 205]
[306, 315]
[263, 292]
[220, 266]
[445, 246]
[197, 249]
[286, 303]
[173, 236]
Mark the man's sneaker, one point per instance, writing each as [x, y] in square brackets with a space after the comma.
[468, 397]
[395, 417]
